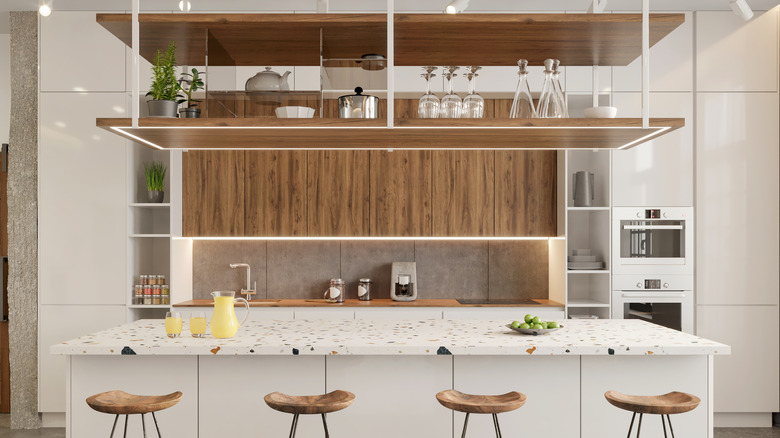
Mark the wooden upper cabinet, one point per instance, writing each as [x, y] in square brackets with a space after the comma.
[526, 196]
[213, 193]
[463, 193]
[275, 193]
[400, 193]
[337, 193]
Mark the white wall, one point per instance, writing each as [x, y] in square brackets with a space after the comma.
[5, 86]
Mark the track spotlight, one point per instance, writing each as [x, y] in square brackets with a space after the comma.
[597, 6]
[456, 6]
[742, 9]
[185, 6]
[44, 8]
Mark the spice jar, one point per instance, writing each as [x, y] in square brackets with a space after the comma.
[165, 294]
[364, 289]
[144, 279]
[335, 293]
[138, 294]
[160, 279]
[156, 299]
[153, 280]
[147, 294]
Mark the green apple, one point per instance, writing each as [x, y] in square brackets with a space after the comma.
[536, 320]
[544, 325]
[515, 324]
[529, 318]
[553, 325]
[524, 326]
[537, 327]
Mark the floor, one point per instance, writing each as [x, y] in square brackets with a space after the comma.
[5, 432]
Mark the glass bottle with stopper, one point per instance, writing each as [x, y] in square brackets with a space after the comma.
[550, 105]
[523, 103]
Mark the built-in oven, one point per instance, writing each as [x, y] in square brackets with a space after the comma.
[656, 240]
[665, 300]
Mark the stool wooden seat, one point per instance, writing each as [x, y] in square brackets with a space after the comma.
[122, 403]
[670, 403]
[481, 404]
[309, 405]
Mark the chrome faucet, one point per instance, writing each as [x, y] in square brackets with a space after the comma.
[248, 292]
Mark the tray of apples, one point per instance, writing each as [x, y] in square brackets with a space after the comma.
[534, 325]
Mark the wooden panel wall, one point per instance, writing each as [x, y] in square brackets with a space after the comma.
[400, 193]
[338, 193]
[275, 193]
[463, 193]
[213, 193]
[525, 193]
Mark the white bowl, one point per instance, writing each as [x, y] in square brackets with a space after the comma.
[582, 252]
[601, 112]
[294, 112]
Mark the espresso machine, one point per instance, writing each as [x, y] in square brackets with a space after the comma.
[403, 281]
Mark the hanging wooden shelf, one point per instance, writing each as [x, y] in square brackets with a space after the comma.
[420, 39]
[271, 133]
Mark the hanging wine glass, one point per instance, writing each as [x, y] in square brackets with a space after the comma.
[473, 103]
[523, 103]
[428, 108]
[559, 90]
[451, 103]
[549, 105]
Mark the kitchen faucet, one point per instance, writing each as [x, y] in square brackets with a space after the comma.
[248, 292]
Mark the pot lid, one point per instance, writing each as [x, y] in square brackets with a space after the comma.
[269, 73]
[358, 92]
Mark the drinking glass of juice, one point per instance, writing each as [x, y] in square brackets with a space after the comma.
[198, 324]
[173, 324]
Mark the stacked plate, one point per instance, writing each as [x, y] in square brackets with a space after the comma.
[584, 259]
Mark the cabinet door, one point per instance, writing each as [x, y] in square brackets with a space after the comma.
[463, 193]
[213, 193]
[337, 193]
[275, 193]
[526, 193]
[400, 193]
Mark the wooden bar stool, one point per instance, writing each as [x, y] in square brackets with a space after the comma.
[122, 403]
[666, 404]
[481, 404]
[309, 404]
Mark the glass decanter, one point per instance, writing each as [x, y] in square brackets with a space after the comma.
[451, 103]
[428, 107]
[558, 89]
[473, 103]
[549, 105]
[523, 103]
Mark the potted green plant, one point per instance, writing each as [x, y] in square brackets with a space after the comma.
[155, 181]
[195, 83]
[165, 87]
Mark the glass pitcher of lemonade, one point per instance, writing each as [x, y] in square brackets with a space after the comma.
[224, 323]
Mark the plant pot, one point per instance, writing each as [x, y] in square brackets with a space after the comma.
[155, 197]
[189, 113]
[162, 108]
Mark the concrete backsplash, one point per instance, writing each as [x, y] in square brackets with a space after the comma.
[445, 269]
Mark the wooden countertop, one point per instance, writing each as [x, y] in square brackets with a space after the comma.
[368, 304]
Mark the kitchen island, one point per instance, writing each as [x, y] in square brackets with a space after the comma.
[395, 368]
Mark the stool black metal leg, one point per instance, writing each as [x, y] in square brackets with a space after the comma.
[156, 426]
[125, 434]
[495, 424]
[294, 426]
[143, 424]
[465, 425]
[631, 427]
[639, 426]
[663, 424]
[325, 425]
[114, 426]
[669, 420]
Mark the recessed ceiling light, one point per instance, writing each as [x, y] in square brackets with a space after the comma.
[185, 6]
[44, 9]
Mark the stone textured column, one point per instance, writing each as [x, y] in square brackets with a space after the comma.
[23, 221]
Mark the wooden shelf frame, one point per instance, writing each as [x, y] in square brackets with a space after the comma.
[313, 134]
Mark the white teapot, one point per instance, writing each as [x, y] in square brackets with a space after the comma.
[268, 81]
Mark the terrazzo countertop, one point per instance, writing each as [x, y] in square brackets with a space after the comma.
[372, 304]
[391, 337]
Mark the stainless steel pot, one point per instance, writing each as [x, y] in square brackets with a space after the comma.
[358, 106]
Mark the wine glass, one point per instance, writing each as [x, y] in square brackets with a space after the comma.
[473, 103]
[451, 103]
[428, 108]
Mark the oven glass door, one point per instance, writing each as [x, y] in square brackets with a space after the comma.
[665, 314]
[652, 240]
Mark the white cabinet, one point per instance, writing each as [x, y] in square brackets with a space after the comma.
[59, 324]
[732, 55]
[316, 313]
[659, 172]
[507, 314]
[738, 199]
[747, 380]
[403, 313]
[82, 200]
[77, 54]
[671, 64]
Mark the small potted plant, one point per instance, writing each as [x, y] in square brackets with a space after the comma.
[195, 83]
[155, 181]
[165, 88]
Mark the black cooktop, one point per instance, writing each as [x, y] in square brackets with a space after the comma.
[520, 302]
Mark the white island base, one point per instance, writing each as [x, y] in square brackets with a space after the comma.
[395, 387]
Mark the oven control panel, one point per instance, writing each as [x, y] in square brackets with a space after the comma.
[652, 284]
[654, 213]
